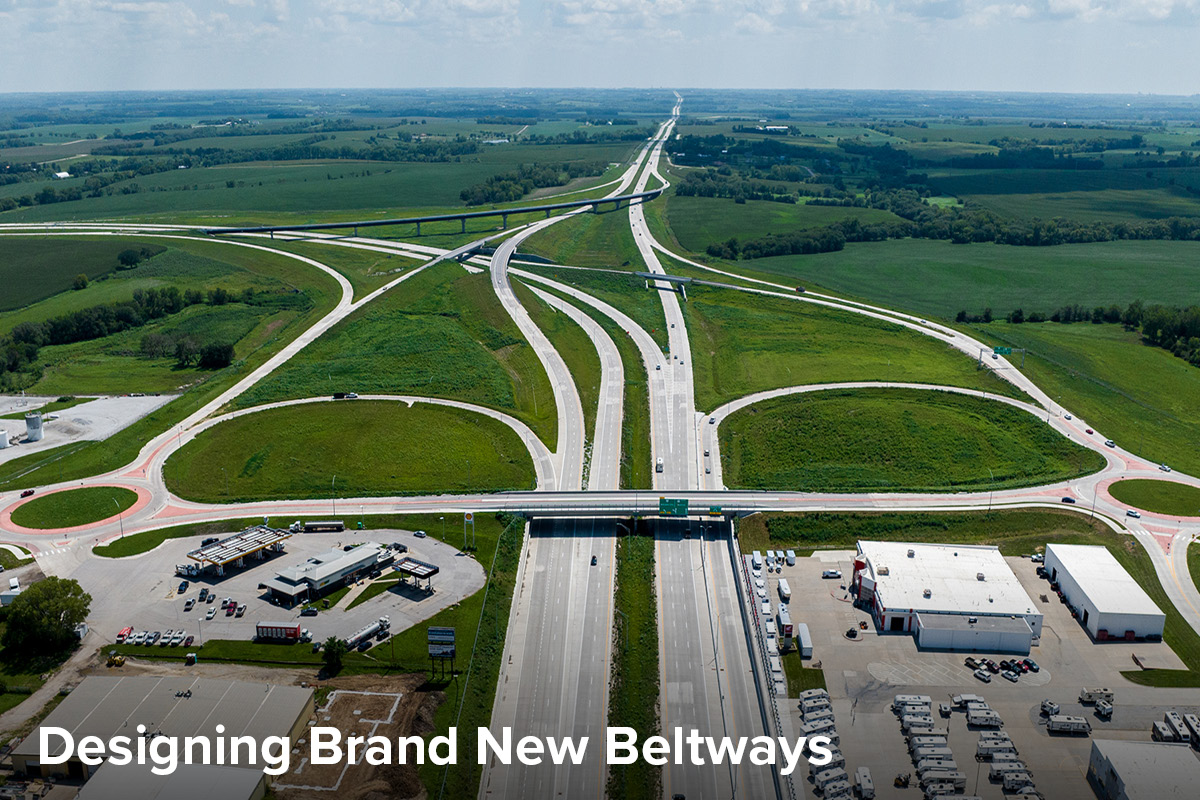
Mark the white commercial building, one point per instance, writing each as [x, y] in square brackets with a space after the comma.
[1108, 600]
[1125, 770]
[952, 597]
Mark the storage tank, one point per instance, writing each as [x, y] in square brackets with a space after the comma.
[3, 438]
[33, 427]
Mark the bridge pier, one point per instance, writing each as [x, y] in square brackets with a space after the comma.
[504, 222]
[355, 231]
[418, 229]
[547, 213]
[463, 220]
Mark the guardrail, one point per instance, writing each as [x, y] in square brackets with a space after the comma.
[504, 213]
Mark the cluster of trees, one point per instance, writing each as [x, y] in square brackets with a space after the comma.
[704, 150]
[42, 619]
[19, 349]
[726, 183]
[510, 186]
[819, 240]
[187, 350]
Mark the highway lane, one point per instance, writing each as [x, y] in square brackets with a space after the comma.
[690, 691]
[604, 465]
[555, 670]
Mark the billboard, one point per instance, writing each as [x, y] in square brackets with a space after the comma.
[441, 642]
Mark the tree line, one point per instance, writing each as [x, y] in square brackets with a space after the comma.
[509, 186]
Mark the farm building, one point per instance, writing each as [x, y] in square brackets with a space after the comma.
[951, 597]
[1108, 600]
[177, 706]
[324, 573]
[1126, 770]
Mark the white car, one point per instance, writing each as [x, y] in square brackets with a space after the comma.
[1164, 468]
[983, 675]
[831, 573]
[419, 534]
[212, 612]
[1133, 513]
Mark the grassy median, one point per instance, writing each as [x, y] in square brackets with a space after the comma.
[74, 507]
[1159, 497]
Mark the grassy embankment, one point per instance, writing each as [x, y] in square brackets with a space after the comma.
[366, 270]
[1160, 497]
[590, 239]
[634, 695]
[863, 440]
[74, 507]
[1015, 532]
[33, 269]
[430, 449]
[623, 292]
[576, 349]
[745, 343]
[1139, 396]
[445, 335]
[83, 459]
[481, 622]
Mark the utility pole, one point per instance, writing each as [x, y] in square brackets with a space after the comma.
[120, 518]
[333, 491]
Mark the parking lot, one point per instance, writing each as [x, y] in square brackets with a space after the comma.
[142, 591]
[865, 673]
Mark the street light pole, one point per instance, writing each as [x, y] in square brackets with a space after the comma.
[120, 518]
[333, 491]
[443, 519]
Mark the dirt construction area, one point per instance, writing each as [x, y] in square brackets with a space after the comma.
[364, 706]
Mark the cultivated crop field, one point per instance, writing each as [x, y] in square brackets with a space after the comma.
[894, 440]
[372, 447]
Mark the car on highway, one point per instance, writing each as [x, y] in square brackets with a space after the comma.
[658, 366]
[708, 470]
[1164, 468]
[27, 493]
[593, 561]
[1009, 675]
[706, 452]
[1109, 443]
[1067, 416]
[1133, 513]
[420, 534]
[712, 420]
[831, 573]
[212, 612]
[995, 357]
[1089, 430]
[983, 675]
[1068, 499]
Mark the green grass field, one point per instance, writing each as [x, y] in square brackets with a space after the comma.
[1160, 497]
[625, 293]
[634, 688]
[32, 269]
[376, 588]
[1139, 396]
[940, 278]
[373, 448]
[366, 270]
[442, 333]
[575, 347]
[800, 677]
[893, 440]
[74, 507]
[744, 343]
[589, 240]
[1193, 561]
[701, 221]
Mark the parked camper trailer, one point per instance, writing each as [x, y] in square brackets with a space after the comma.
[1175, 720]
[1095, 695]
[1061, 723]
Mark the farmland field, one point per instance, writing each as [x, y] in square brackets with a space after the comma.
[32, 269]
[746, 343]
[894, 440]
[700, 221]
[372, 447]
[940, 279]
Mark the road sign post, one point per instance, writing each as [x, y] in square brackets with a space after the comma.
[441, 648]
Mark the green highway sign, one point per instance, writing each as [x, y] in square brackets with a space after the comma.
[714, 511]
[672, 508]
[1002, 351]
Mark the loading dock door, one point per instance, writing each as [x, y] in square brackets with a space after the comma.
[898, 624]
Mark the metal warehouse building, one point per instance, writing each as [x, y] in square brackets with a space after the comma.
[1110, 603]
[1124, 770]
[187, 782]
[951, 597]
[326, 572]
[176, 706]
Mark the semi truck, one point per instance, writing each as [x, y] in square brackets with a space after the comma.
[317, 526]
[365, 634]
[278, 631]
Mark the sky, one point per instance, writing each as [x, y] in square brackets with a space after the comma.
[1149, 46]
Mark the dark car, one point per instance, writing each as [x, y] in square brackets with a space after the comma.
[308, 612]
[183, 587]
[27, 493]
[593, 561]
[1033, 665]
[971, 663]
[187, 641]
[1068, 499]
[993, 667]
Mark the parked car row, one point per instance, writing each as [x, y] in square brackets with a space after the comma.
[174, 638]
[1009, 669]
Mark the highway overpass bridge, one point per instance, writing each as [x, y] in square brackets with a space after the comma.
[503, 213]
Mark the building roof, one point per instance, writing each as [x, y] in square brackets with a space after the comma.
[1101, 577]
[1152, 770]
[105, 707]
[950, 573]
[332, 563]
[962, 622]
[239, 545]
[187, 782]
